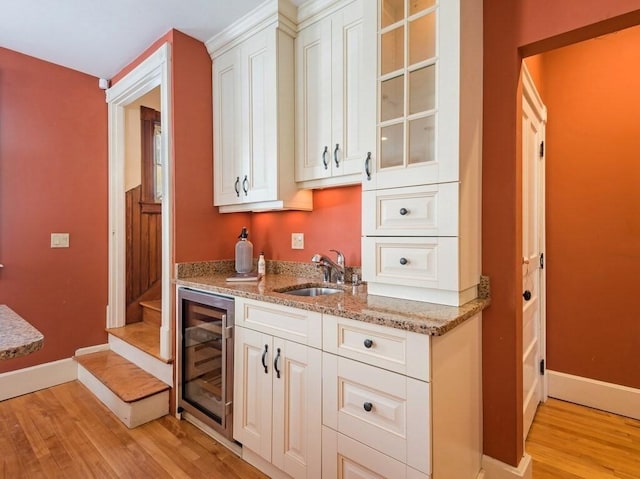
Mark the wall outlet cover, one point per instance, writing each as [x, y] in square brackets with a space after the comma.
[59, 240]
[297, 240]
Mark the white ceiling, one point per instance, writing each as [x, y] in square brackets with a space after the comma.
[100, 37]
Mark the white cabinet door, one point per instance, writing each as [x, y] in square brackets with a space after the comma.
[313, 101]
[353, 89]
[297, 401]
[335, 102]
[258, 84]
[227, 133]
[253, 390]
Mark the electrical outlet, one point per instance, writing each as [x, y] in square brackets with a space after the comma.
[59, 240]
[297, 240]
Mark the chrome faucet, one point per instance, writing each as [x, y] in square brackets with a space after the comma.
[328, 265]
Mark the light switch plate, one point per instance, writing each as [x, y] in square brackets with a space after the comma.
[59, 240]
[297, 240]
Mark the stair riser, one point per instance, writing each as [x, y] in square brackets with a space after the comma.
[132, 414]
[152, 316]
[153, 366]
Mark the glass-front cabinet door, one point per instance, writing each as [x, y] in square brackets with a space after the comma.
[408, 105]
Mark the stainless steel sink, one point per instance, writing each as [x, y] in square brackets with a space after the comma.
[312, 291]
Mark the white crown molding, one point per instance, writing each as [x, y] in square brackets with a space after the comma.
[313, 10]
[279, 13]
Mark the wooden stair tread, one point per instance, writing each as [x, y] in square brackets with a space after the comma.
[142, 335]
[122, 377]
[155, 304]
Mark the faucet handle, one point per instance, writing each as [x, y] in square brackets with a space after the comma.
[340, 259]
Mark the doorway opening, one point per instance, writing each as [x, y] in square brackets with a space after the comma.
[147, 83]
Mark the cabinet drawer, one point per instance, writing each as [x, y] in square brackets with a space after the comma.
[421, 262]
[294, 324]
[429, 210]
[384, 410]
[397, 350]
[342, 457]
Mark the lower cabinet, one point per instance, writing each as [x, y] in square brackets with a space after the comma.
[373, 402]
[278, 393]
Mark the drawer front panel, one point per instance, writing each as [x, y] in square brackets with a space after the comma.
[422, 262]
[397, 350]
[297, 325]
[430, 210]
[373, 405]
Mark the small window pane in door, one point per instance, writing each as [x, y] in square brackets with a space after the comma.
[422, 89]
[391, 146]
[422, 140]
[392, 12]
[422, 38]
[392, 55]
[392, 104]
[416, 6]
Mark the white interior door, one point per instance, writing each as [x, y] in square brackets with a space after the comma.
[534, 116]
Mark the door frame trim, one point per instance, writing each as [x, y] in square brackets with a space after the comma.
[151, 73]
[531, 95]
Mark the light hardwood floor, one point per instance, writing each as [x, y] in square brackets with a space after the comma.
[65, 432]
[567, 441]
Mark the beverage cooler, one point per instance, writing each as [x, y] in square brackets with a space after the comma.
[205, 355]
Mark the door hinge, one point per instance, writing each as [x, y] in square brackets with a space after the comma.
[541, 149]
[541, 260]
[542, 367]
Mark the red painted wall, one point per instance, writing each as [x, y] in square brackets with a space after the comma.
[334, 223]
[593, 212]
[53, 178]
[510, 28]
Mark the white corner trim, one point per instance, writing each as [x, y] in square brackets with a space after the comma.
[28, 380]
[610, 397]
[494, 469]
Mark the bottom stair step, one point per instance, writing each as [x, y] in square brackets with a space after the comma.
[132, 394]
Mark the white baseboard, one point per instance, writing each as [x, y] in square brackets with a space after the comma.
[494, 469]
[34, 378]
[152, 365]
[92, 349]
[621, 400]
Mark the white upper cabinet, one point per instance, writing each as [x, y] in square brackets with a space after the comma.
[335, 95]
[253, 96]
[429, 90]
[421, 191]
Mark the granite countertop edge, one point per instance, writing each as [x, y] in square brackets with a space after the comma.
[17, 337]
[420, 317]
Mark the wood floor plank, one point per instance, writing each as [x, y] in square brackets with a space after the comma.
[65, 432]
[568, 441]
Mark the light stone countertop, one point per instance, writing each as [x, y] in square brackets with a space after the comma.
[17, 337]
[354, 303]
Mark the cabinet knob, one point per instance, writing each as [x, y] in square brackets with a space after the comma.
[368, 343]
[526, 295]
[403, 211]
[325, 160]
[403, 261]
[367, 406]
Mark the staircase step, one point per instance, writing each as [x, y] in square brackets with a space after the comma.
[132, 394]
[143, 336]
[152, 311]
